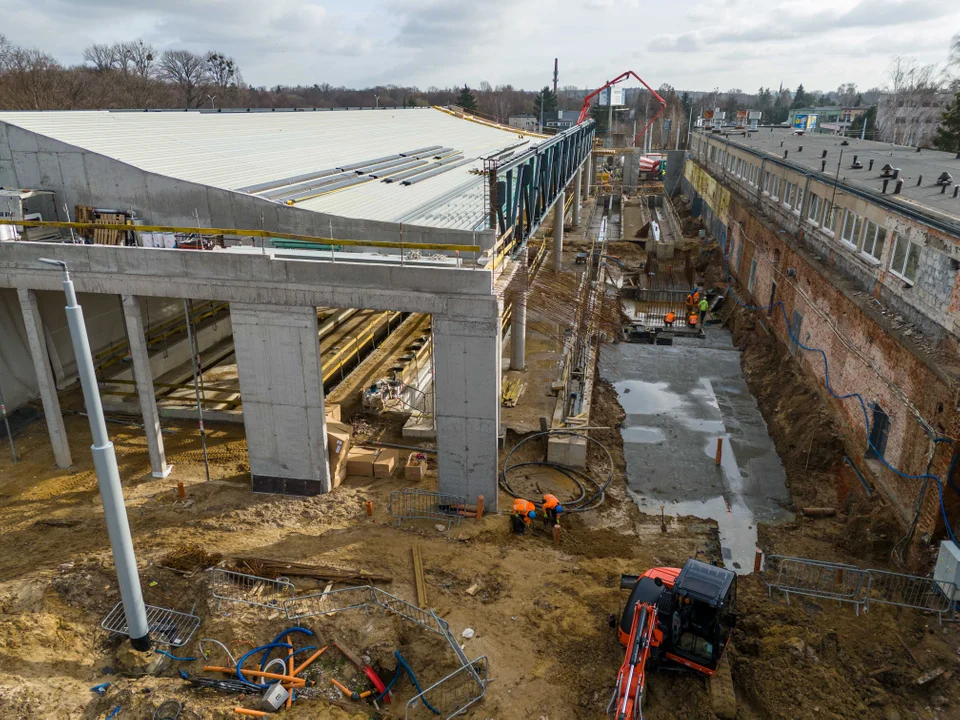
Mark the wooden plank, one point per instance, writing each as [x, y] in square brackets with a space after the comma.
[419, 578]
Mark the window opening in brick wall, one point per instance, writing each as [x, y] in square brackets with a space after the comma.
[773, 297]
[905, 258]
[813, 208]
[879, 430]
[795, 330]
[753, 274]
[874, 238]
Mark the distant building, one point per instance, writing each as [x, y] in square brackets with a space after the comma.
[910, 118]
[524, 122]
[560, 120]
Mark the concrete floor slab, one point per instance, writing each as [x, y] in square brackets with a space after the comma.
[679, 400]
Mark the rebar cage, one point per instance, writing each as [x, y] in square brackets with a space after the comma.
[451, 695]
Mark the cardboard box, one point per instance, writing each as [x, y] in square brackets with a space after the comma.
[332, 412]
[386, 462]
[338, 447]
[360, 462]
[415, 468]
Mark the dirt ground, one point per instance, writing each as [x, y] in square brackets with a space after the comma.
[538, 611]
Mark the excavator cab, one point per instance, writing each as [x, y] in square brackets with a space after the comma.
[695, 611]
[698, 616]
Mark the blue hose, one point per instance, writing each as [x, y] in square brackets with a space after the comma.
[402, 666]
[863, 404]
[174, 657]
[114, 713]
[266, 648]
[278, 638]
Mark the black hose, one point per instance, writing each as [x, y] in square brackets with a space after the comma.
[577, 505]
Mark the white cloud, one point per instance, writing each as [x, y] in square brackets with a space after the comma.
[691, 44]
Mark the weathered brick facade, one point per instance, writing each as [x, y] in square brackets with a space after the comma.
[850, 317]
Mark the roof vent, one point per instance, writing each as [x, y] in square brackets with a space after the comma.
[886, 170]
[945, 179]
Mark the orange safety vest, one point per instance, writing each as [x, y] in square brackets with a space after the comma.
[550, 502]
[696, 296]
[690, 301]
[692, 320]
[670, 317]
[522, 508]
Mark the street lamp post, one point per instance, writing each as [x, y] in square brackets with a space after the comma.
[108, 475]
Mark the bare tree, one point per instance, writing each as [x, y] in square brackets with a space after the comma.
[187, 71]
[103, 58]
[909, 111]
[223, 73]
[847, 94]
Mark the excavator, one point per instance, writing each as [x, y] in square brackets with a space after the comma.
[675, 618]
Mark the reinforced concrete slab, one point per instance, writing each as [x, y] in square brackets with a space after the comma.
[679, 400]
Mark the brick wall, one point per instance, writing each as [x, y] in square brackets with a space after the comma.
[864, 354]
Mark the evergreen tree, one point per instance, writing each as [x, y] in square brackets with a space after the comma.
[546, 99]
[765, 101]
[870, 118]
[800, 99]
[467, 100]
[685, 101]
[948, 133]
[599, 114]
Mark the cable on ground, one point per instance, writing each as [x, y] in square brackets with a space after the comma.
[579, 477]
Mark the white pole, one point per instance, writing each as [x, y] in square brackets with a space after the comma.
[108, 476]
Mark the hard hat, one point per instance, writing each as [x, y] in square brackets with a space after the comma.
[532, 514]
[559, 508]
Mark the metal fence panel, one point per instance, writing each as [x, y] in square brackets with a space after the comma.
[413, 504]
[452, 695]
[913, 591]
[166, 626]
[328, 603]
[250, 589]
[813, 578]
[425, 618]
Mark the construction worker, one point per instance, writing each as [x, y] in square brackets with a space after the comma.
[703, 306]
[551, 510]
[524, 512]
[692, 320]
[690, 303]
[696, 294]
[669, 319]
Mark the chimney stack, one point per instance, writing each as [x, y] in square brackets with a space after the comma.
[556, 74]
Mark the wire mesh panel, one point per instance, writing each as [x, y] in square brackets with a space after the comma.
[412, 504]
[921, 593]
[651, 307]
[452, 695]
[166, 626]
[250, 589]
[425, 618]
[328, 603]
[813, 578]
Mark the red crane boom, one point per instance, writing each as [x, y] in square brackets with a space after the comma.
[585, 110]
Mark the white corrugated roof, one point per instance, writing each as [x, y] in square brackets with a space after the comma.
[232, 150]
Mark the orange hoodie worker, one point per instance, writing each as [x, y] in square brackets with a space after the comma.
[551, 510]
[523, 512]
[692, 320]
[690, 303]
[670, 317]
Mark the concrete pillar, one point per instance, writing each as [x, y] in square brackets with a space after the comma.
[467, 357]
[518, 332]
[41, 366]
[278, 361]
[558, 231]
[576, 197]
[588, 177]
[143, 376]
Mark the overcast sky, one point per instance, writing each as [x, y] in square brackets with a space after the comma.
[691, 44]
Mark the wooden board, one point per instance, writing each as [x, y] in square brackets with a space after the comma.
[419, 578]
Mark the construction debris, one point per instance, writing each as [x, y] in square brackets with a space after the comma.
[511, 391]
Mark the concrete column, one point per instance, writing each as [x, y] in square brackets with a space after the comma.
[278, 361]
[41, 366]
[467, 356]
[558, 231]
[518, 332]
[143, 376]
[588, 179]
[576, 197]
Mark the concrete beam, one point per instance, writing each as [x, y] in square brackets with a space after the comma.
[246, 278]
[41, 365]
[558, 231]
[518, 333]
[143, 376]
[281, 382]
[576, 197]
[467, 359]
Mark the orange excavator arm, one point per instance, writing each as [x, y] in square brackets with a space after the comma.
[627, 702]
